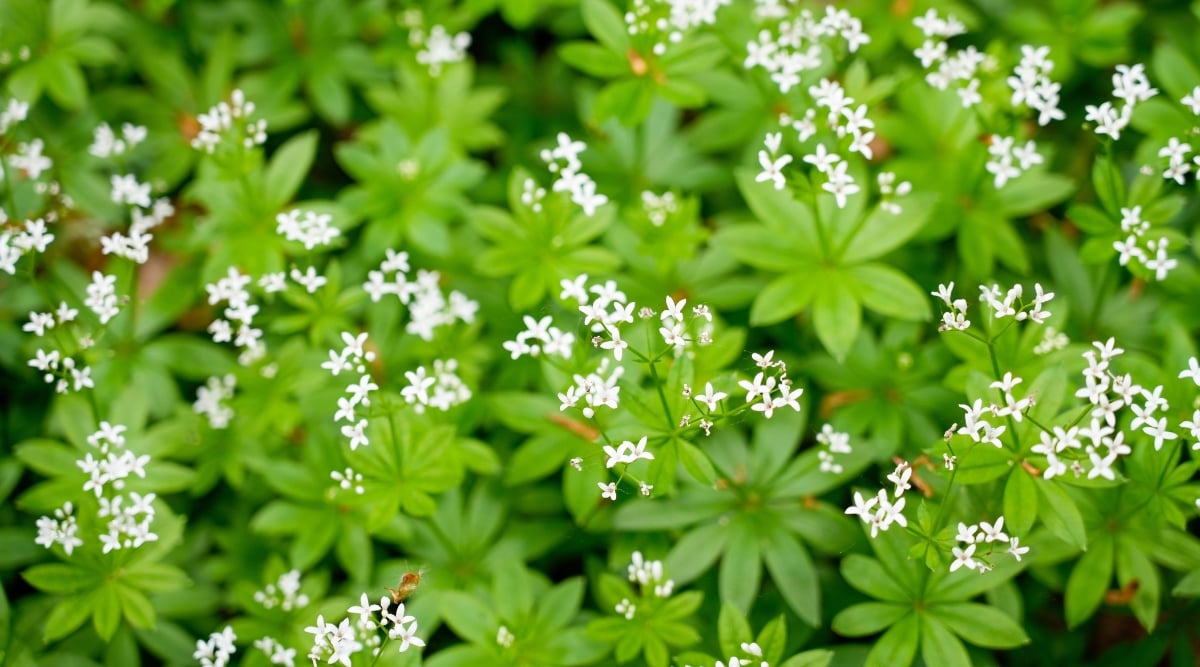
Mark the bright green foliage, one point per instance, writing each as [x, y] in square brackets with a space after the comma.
[612, 332]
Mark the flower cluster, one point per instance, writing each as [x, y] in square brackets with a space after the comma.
[338, 643]
[648, 574]
[346, 480]
[659, 207]
[943, 66]
[1006, 161]
[795, 45]
[627, 452]
[428, 307]
[128, 525]
[532, 195]
[603, 314]
[31, 238]
[354, 358]
[230, 121]
[217, 649]
[14, 112]
[232, 291]
[30, 160]
[436, 47]
[1131, 87]
[307, 227]
[541, 336]
[971, 536]
[106, 143]
[667, 21]
[1177, 149]
[1031, 84]
[598, 388]
[441, 390]
[890, 509]
[751, 649]
[1153, 256]
[61, 529]
[276, 651]
[102, 296]
[209, 400]
[833, 442]
[1052, 340]
[771, 377]
[284, 593]
[678, 333]
[1107, 393]
[1003, 304]
[57, 367]
[889, 190]
[563, 162]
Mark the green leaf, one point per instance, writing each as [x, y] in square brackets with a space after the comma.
[1189, 586]
[289, 165]
[980, 624]
[837, 316]
[1020, 502]
[136, 607]
[1089, 581]
[627, 100]
[889, 292]
[60, 578]
[1134, 569]
[791, 222]
[696, 462]
[48, 457]
[354, 551]
[818, 657]
[982, 462]
[792, 570]
[64, 81]
[1060, 513]
[157, 577]
[1033, 193]
[695, 552]
[783, 297]
[868, 618]
[559, 606]
[773, 639]
[939, 646]
[868, 575]
[732, 629]
[1173, 71]
[898, 645]
[762, 248]
[468, 616]
[1109, 185]
[883, 232]
[741, 569]
[106, 615]
[313, 542]
[606, 25]
[67, 616]
[697, 53]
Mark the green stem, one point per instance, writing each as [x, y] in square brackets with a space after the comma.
[1098, 298]
[658, 387]
[1012, 424]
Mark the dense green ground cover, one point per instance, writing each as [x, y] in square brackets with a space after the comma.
[520, 332]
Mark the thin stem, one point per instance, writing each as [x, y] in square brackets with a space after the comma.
[1012, 425]
[658, 387]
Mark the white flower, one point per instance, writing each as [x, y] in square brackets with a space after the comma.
[772, 170]
[964, 557]
[710, 397]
